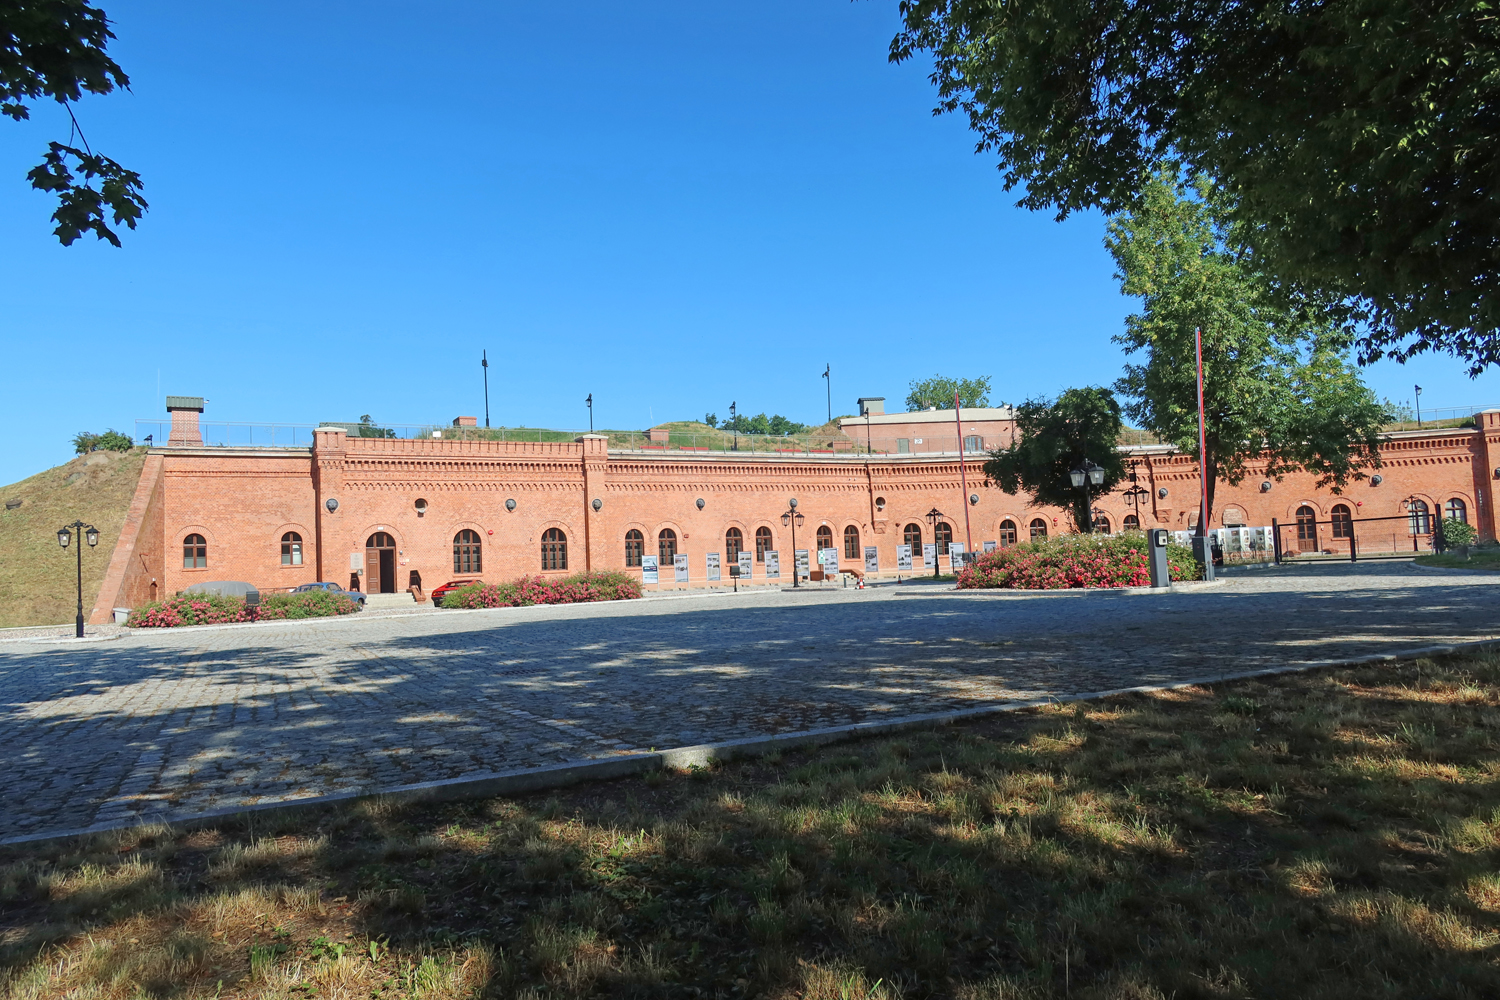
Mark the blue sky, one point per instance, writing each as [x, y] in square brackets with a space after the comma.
[668, 205]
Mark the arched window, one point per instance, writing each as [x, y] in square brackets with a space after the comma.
[1343, 521]
[1132, 523]
[1101, 524]
[851, 542]
[1234, 517]
[913, 536]
[194, 552]
[1007, 533]
[943, 535]
[763, 543]
[554, 549]
[1457, 510]
[666, 547]
[380, 540]
[291, 549]
[466, 551]
[1419, 519]
[1307, 528]
[825, 537]
[635, 547]
[734, 544]
[1038, 528]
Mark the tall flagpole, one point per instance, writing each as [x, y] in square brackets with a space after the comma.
[1202, 438]
[963, 475]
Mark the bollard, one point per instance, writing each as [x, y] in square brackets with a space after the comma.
[1204, 553]
[1161, 574]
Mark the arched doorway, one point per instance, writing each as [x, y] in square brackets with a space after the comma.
[1307, 529]
[380, 564]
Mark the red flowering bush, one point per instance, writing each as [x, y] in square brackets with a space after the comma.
[608, 586]
[210, 609]
[1073, 561]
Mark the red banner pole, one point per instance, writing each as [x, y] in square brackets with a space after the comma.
[962, 474]
[1202, 438]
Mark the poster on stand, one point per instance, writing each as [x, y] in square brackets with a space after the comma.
[903, 559]
[747, 565]
[712, 559]
[872, 559]
[649, 569]
[773, 564]
[680, 568]
[929, 555]
[955, 556]
[800, 563]
[829, 560]
[989, 546]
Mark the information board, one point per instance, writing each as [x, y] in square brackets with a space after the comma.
[649, 569]
[773, 564]
[872, 559]
[955, 556]
[680, 568]
[800, 563]
[903, 559]
[712, 559]
[929, 554]
[829, 560]
[989, 546]
[747, 564]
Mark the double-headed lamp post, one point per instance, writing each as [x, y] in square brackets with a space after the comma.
[934, 518]
[791, 517]
[64, 536]
[1083, 477]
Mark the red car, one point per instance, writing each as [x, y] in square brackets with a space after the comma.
[439, 593]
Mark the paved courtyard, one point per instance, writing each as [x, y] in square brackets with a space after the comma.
[170, 724]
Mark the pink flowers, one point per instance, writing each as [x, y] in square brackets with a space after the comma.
[209, 609]
[607, 586]
[1073, 561]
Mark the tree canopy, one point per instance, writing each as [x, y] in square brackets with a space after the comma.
[1052, 439]
[1276, 380]
[56, 49]
[1354, 139]
[762, 424]
[111, 440]
[937, 392]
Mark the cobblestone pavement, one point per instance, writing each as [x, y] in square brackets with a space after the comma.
[169, 724]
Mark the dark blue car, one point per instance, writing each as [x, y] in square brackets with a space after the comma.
[333, 588]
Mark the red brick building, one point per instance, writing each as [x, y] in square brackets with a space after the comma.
[392, 513]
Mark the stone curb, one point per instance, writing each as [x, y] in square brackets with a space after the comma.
[534, 779]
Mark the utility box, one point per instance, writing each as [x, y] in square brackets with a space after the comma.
[1161, 573]
[1203, 551]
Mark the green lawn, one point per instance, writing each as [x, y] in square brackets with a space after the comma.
[1331, 834]
[1485, 558]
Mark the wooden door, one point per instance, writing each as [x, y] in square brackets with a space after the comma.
[372, 570]
[380, 564]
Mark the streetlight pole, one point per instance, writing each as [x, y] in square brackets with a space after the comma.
[1085, 474]
[934, 518]
[64, 536]
[484, 362]
[590, 402]
[734, 425]
[1419, 406]
[793, 518]
[828, 377]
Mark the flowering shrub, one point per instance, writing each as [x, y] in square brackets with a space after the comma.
[1070, 561]
[210, 609]
[608, 586]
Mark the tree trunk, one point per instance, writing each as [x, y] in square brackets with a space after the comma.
[1210, 469]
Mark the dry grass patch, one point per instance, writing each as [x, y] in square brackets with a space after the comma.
[1320, 835]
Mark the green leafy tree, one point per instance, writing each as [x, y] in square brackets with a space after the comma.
[111, 440]
[1457, 534]
[1276, 380]
[56, 49]
[1355, 137]
[1052, 439]
[937, 392]
[711, 419]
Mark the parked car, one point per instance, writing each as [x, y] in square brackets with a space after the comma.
[440, 592]
[332, 588]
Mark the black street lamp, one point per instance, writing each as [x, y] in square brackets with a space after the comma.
[1085, 475]
[1135, 496]
[934, 518]
[484, 362]
[734, 425]
[64, 536]
[791, 517]
[590, 404]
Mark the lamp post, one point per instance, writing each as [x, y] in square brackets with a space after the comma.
[1419, 406]
[484, 362]
[64, 536]
[734, 425]
[827, 374]
[590, 403]
[934, 518]
[1085, 475]
[791, 517]
[1135, 496]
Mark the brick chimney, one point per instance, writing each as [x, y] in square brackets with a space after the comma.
[185, 410]
[465, 421]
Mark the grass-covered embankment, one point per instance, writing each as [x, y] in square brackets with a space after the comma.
[1329, 834]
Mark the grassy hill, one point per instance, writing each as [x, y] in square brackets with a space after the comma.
[38, 579]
